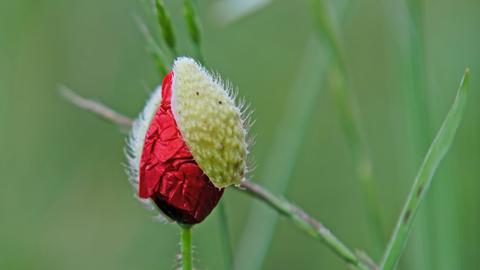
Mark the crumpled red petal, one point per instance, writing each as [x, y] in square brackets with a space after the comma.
[168, 173]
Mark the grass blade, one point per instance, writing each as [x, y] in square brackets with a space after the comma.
[339, 80]
[360, 155]
[165, 24]
[327, 28]
[419, 117]
[261, 222]
[193, 26]
[437, 151]
[154, 49]
[279, 166]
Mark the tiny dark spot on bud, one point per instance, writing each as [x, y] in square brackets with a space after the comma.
[219, 102]
[407, 216]
[420, 190]
[197, 93]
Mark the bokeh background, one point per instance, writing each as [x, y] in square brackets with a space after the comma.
[65, 202]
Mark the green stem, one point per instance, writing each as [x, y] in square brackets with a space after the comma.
[165, 23]
[282, 154]
[154, 49]
[186, 246]
[437, 151]
[360, 154]
[339, 85]
[304, 222]
[225, 233]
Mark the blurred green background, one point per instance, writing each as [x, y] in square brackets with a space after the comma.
[65, 202]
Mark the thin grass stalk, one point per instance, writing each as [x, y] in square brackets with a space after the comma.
[154, 49]
[420, 127]
[339, 84]
[435, 234]
[435, 154]
[360, 155]
[278, 168]
[261, 223]
[165, 24]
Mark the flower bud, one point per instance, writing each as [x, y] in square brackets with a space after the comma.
[188, 144]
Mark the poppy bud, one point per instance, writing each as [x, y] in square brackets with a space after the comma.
[188, 144]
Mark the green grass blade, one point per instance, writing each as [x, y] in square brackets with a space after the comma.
[419, 120]
[339, 80]
[279, 166]
[165, 23]
[154, 49]
[437, 151]
[262, 222]
[327, 29]
[193, 26]
[360, 155]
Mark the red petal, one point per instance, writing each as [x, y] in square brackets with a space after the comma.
[169, 174]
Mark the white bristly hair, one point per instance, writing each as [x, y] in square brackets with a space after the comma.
[136, 137]
[135, 143]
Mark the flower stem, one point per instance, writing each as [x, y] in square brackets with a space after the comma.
[437, 151]
[186, 246]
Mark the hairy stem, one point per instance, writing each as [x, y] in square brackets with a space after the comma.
[186, 246]
[96, 108]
